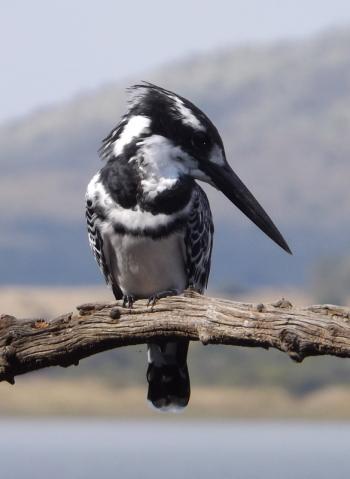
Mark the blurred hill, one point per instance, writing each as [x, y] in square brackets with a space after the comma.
[284, 114]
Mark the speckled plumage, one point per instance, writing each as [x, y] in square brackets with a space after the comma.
[149, 223]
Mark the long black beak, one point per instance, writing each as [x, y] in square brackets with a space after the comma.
[226, 180]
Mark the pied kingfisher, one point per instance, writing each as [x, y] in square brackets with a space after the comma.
[149, 223]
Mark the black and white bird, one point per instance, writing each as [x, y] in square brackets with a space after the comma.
[149, 223]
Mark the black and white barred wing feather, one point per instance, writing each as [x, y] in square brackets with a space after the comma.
[199, 241]
[97, 246]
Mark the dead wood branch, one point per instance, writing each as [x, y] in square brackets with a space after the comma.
[30, 344]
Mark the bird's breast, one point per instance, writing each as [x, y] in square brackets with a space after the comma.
[143, 266]
[144, 250]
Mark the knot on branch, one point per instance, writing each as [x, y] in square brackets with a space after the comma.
[115, 313]
[283, 304]
[6, 322]
[260, 307]
[8, 363]
[90, 308]
[205, 336]
[40, 324]
[290, 344]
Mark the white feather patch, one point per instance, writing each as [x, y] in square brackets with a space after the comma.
[131, 219]
[187, 116]
[160, 164]
[135, 127]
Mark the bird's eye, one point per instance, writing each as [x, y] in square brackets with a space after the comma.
[200, 140]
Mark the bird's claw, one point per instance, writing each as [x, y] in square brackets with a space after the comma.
[128, 301]
[152, 300]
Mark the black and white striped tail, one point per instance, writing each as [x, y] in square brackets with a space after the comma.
[167, 375]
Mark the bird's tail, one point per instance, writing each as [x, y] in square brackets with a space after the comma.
[167, 375]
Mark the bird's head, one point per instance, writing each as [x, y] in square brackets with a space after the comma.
[169, 138]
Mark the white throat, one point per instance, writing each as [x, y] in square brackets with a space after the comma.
[160, 163]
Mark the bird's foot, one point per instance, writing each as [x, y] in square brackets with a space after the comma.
[128, 301]
[152, 300]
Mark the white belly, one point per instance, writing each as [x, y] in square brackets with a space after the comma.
[143, 266]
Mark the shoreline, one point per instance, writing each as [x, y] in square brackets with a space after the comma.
[47, 397]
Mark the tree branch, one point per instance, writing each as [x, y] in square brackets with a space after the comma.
[30, 344]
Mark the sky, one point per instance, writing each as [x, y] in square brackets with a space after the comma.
[51, 51]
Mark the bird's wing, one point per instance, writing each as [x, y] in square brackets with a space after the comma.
[199, 241]
[97, 247]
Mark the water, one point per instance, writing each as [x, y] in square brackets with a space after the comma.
[74, 449]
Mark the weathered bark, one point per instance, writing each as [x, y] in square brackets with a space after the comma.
[30, 344]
